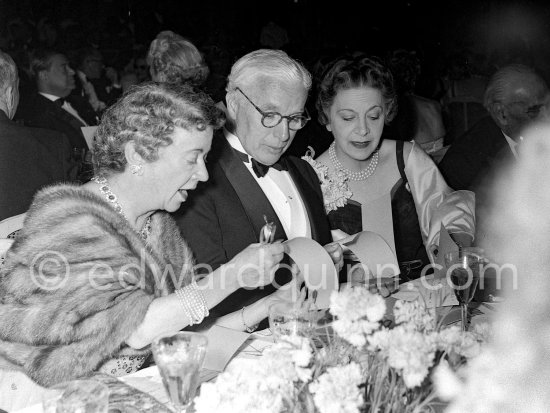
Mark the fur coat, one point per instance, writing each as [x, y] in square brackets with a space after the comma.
[78, 281]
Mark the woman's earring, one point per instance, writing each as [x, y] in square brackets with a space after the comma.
[136, 169]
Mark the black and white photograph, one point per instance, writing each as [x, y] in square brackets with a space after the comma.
[277, 206]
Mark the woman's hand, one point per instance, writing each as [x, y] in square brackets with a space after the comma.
[290, 292]
[255, 266]
[360, 276]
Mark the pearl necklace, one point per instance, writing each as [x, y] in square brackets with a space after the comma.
[354, 176]
[113, 199]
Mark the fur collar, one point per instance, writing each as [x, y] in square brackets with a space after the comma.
[78, 281]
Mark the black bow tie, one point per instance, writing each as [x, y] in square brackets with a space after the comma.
[59, 102]
[261, 169]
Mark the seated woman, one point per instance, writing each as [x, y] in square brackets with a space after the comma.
[101, 269]
[356, 98]
[174, 59]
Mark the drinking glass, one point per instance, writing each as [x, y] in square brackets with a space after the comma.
[179, 358]
[77, 396]
[291, 319]
[465, 267]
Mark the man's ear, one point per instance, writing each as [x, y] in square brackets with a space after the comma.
[500, 114]
[232, 104]
[43, 75]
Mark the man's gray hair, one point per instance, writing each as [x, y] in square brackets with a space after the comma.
[499, 82]
[8, 72]
[267, 64]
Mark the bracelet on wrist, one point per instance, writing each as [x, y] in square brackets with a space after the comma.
[193, 303]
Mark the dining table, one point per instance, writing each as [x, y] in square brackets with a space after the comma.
[143, 391]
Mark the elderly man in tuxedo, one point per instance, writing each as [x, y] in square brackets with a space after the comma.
[52, 107]
[29, 157]
[516, 97]
[249, 177]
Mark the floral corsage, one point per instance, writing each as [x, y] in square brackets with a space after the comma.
[335, 188]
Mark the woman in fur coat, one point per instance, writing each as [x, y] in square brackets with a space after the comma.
[99, 270]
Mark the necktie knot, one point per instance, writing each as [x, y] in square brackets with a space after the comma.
[59, 102]
[259, 168]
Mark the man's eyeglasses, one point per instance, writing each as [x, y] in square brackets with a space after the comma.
[272, 119]
[532, 111]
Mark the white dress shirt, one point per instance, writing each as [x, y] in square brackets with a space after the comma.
[280, 190]
[66, 106]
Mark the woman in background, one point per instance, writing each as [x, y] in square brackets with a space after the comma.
[174, 59]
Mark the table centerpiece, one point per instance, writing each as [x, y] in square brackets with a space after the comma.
[368, 363]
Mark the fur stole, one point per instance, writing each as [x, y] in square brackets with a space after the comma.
[78, 281]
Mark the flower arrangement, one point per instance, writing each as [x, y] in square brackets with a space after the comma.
[364, 366]
[335, 188]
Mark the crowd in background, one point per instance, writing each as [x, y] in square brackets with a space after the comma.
[451, 51]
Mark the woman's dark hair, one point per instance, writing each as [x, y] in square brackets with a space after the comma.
[351, 72]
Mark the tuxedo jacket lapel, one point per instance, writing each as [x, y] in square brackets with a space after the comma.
[314, 209]
[57, 112]
[66, 117]
[253, 199]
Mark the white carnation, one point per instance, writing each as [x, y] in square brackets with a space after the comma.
[337, 390]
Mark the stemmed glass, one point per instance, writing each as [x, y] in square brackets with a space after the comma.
[179, 358]
[465, 267]
[290, 319]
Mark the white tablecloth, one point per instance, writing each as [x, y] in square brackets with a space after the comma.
[147, 380]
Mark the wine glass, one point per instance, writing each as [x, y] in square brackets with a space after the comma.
[465, 267]
[290, 319]
[179, 358]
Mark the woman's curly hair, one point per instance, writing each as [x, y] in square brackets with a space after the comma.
[174, 59]
[147, 115]
[351, 72]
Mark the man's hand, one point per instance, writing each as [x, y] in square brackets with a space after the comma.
[336, 252]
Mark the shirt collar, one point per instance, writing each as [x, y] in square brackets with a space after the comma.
[53, 98]
[512, 143]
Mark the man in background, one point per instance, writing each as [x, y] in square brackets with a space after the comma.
[516, 97]
[52, 107]
[30, 158]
